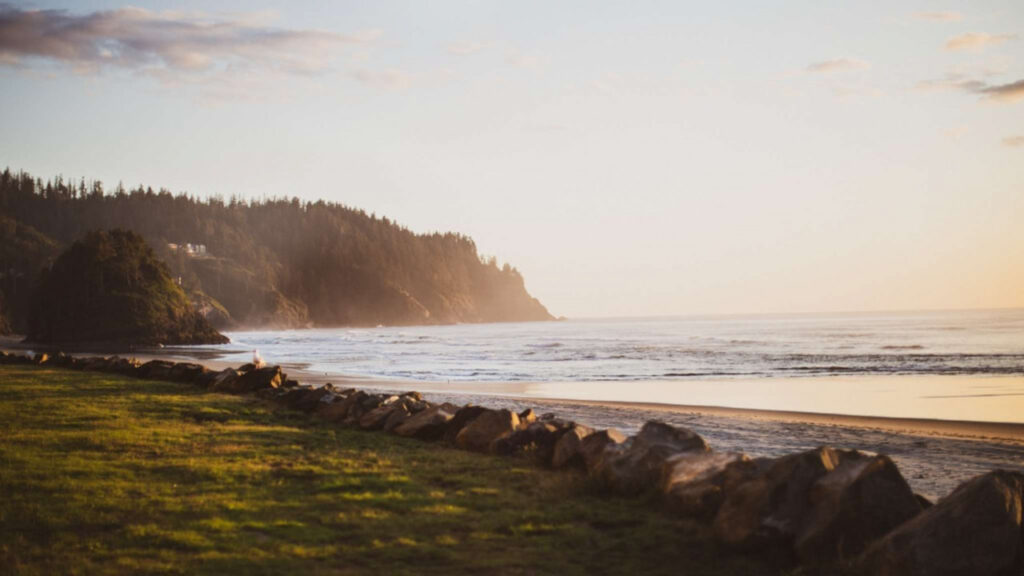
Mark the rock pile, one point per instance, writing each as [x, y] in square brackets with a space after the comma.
[822, 507]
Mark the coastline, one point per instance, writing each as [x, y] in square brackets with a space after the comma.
[935, 455]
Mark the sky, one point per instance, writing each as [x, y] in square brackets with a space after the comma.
[629, 158]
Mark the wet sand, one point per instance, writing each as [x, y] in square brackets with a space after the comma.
[935, 455]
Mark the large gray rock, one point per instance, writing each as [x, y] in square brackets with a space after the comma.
[635, 466]
[429, 424]
[152, 370]
[536, 439]
[375, 418]
[486, 428]
[258, 379]
[224, 380]
[310, 401]
[462, 417]
[338, 410]
[976, 530]
[567, 449]
[695, 482]
[852, 506]
[594, 446]
[769, 508]
[186, 372]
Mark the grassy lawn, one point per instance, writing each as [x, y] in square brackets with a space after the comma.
[102, 474]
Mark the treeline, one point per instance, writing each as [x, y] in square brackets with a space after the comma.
[268, 263]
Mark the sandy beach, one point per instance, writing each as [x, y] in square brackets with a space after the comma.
[935, 455]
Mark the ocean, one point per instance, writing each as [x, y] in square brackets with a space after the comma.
[791, 362]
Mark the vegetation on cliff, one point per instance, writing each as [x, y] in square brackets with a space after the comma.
[284, 262]
[110, 287]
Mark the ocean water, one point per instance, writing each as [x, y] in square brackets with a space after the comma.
[987, 342]
[966, 365]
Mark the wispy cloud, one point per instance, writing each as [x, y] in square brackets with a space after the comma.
[164, 44]
[466, 48]
[1010, 92]
[836, 65]
[388, 79]
[523, 60]
[1014, 141]
[977, 40]
[940, 16]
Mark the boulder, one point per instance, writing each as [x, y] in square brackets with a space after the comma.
[769, 507]
[527, 417]
[413, 395]
[253, 380]
[186, 372]
[975, 530]
[852, 506]
[462, 417]
[338, 410]
[429, 424]
[592, 448]
[635, 466]
[377, 417]
[538, 439]
[695, 483]
[367, 404]
[224, 380]
[567, 449]
[310, 401]
[478, 435]
[152, 370]
[399, 414]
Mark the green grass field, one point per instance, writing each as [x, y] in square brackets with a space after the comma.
[102, 474]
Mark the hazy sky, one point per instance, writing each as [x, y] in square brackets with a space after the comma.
[630, 158]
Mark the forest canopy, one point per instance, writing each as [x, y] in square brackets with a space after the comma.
[110, 287]
[271, 263]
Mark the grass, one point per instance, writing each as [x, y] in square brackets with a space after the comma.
[103, 474]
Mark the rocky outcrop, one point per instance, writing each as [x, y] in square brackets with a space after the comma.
[594, 446]
[462, 417]
[769, 508]
[429, 424]
[695, 482]
[482, 431]
[975, 530]
[260, 378]
[851, 506]
[567, 449]
[636, 465]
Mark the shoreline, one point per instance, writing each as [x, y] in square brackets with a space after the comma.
[516, 393]
[933, 455]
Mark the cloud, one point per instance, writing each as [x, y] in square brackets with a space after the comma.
[1014, 141]
[977, 40]
[836, 65]
[952, 82]
[164, 44]
[1010, 92]
[1005, 92]
[388, 79]
[940, 16]
[522, 60]
[466, 48]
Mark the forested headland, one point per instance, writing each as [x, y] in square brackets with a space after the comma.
[276, 263]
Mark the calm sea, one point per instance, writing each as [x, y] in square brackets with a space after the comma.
[932, 343]
[924, 364]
